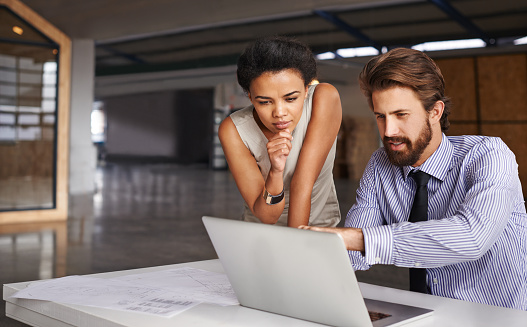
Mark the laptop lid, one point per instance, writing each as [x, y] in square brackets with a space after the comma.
[292, 272]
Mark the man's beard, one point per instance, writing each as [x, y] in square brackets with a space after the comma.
[413, 151]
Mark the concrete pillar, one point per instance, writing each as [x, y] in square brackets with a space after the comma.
[83, 154]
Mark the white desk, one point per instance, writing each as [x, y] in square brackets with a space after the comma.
[447, 312]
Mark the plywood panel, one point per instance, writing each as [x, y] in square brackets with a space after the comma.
[503, 87]
[26, 158]
[462, 129]
[460, 80]
[514, 135]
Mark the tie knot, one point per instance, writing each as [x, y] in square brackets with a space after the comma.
[420, 177]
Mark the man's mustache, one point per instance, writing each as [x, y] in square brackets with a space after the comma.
[400, 139]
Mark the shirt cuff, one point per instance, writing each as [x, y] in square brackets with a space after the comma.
[378, 245]
[357, 261]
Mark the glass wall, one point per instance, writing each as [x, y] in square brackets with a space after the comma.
[28, 115]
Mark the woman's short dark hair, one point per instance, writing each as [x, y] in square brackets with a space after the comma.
[408, 68]
[274, 54]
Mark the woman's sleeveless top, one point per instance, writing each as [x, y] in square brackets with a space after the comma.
[324, 204]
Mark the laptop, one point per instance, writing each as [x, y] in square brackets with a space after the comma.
[298, 273]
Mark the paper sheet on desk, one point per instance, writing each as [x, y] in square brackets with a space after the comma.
[164, 293]
[190, 283]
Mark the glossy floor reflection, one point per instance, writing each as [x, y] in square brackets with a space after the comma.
[140, 216]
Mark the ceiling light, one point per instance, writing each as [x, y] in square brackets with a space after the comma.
[522, 40]
[357, 52]
[450, 45]
[326, 56]
[18, 30]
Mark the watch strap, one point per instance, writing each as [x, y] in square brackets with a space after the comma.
[273, 199]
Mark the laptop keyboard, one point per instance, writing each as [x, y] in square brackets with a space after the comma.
[374, 316]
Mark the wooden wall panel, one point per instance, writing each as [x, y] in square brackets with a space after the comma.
[460, 80]
[515, 136]
[462, 129]
[502, 84]
[489, 97]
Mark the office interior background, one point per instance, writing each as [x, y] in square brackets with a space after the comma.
[109, 111]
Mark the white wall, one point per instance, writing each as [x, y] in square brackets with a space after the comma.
[353, 102]
[344, 78]
[129, 97]
[141, 125]
[108, 86]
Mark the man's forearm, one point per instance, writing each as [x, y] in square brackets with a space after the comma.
[353, 237]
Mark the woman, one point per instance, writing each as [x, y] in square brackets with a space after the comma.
[281, 149]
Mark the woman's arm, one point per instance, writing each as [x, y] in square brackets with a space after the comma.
[247, 175]
[321, 132]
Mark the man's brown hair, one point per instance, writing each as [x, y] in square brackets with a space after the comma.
[407, 68]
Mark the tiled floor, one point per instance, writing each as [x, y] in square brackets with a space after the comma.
[140, 216]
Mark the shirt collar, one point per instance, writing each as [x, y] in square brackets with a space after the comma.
[438, 164]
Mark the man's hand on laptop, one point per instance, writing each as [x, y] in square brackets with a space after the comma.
[353, 237]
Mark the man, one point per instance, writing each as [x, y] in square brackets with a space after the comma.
[464, 236]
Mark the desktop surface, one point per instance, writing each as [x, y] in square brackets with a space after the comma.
[447, 312]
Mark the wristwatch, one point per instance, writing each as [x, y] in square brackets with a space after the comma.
[273, 199]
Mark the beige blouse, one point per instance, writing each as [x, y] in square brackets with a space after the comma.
[324, 204]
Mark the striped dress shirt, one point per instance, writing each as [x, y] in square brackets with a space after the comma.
[474, 243]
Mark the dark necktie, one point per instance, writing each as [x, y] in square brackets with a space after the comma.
[419, 212]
